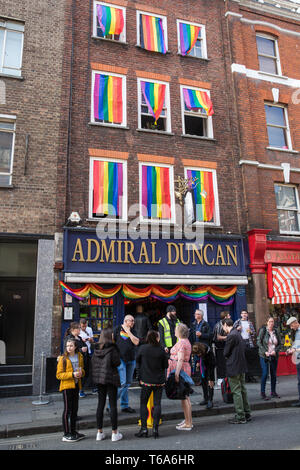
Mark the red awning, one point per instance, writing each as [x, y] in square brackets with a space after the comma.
[286, 285]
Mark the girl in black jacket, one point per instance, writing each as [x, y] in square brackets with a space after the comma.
[105, 362]
[151, 365]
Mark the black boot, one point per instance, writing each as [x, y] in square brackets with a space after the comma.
[142, 433]
[155, 432]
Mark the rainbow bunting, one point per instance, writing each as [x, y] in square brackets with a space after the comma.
[108, 98]
[195, 99]
[108, 188]
[111, 20]
[219, 295]
[188, 36]
[203, 194]
[156, 199]
[154, 94]
[152, 34]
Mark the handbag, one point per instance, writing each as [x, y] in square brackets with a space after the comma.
[177, 390]
[226, 391]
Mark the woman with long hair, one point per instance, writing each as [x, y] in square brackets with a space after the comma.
[268, 342]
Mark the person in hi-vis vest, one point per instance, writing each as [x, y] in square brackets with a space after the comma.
[166, 328]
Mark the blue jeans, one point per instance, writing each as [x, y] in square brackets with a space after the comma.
[265, 369]
[126, 370]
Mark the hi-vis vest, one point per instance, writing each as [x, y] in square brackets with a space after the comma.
[167, 331]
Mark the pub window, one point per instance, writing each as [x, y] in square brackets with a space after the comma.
[152, 32]
[191, 39]
[197, 112]
[98, 312]
[154, 105]
[109, 22]
[288, 209]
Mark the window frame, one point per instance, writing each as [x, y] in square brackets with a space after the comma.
[164, 23]
[125, 190]
[122, 35]
[203, 39]
[143, 219]
[286, 127]
[297, 210]
[276, 58]
[124, 88]
[216, 222]
[18, 27]
[209, 125]
[11, 119]
[167, 102]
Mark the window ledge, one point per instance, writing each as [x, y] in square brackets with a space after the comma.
[6, 75]
[153, 52]
[273, 75]
[110, 40]
[290, 233]
[187, 136]
[150, 131]
[103, 124]
[277, 149]
[104, 220]
[6, 186]
[205, 59]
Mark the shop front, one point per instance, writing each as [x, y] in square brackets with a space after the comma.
[278, 261]
[105, 279]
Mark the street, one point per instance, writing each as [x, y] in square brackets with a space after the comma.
[276, 429]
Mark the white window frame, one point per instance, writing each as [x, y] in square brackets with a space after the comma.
[122, 35]
[289, 210]
[164, 24]
[17, 28]
[172, 194]
[109, 124]
[203, 39]
[209, 125]
[167, 103]
[287, 127]
[276, 58]
[216, 222]
[91, 188]
[11, 119]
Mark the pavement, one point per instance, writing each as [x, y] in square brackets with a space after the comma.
[23, 416]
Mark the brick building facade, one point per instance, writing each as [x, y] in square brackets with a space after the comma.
[265, 59]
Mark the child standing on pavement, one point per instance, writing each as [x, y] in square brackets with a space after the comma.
[70, 371]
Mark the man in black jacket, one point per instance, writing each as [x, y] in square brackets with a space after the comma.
[142, 324]
[236, 366]
[200, 330]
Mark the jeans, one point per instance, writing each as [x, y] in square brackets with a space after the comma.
[126, 370]
[145, 395]
[111, 391]
[265, 370]
[240, 398]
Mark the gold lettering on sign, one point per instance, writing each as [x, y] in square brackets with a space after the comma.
[205, 254]
[196, 251]
[233, 255]
[170, 245]
[107, 252]
[144, 254]
[183, 261]
[220, 256]
[78, 251]
[129, 251]
[89, 250]
[154, 261]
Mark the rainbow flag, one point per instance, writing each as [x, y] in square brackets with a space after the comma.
[195, 99]
[152, 34]
[108, 98]
[111, 20]
[188, 36]
[154, 94]
[124, 335]
[108, 188]
[203, 194]
[156, 198]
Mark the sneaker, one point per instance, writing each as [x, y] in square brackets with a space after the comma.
[237, 421]
[203, 402]
[128, 410]
[274, 395]
[116, 436]
[79, 436]
[264, 396]
[73, 437]
[248, 417]
[100, 436]
[82, 394]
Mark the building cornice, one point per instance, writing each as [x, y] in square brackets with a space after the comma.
[285, 8]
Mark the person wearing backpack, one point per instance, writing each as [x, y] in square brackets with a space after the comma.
[269, 344]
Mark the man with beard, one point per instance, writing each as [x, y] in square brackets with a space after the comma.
[166, 328]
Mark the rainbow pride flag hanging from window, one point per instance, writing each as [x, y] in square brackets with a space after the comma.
[154, 94]
[111, 20]
[203, 195]
[108, 98]
[152, 34]
[156, 198]
[188, 34]
[108, 188]
[196, 99]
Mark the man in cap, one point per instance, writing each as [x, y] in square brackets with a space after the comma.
[294, 325]
[166, 328]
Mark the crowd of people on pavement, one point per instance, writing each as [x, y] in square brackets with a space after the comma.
[172, 358]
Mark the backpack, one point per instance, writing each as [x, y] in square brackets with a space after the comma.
[226, 391]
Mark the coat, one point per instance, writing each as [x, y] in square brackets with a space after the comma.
[205, 330]
[67, 381]
[234, 353]
[151, 362]
[142, 325]
[105, 364]
[263, 340]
